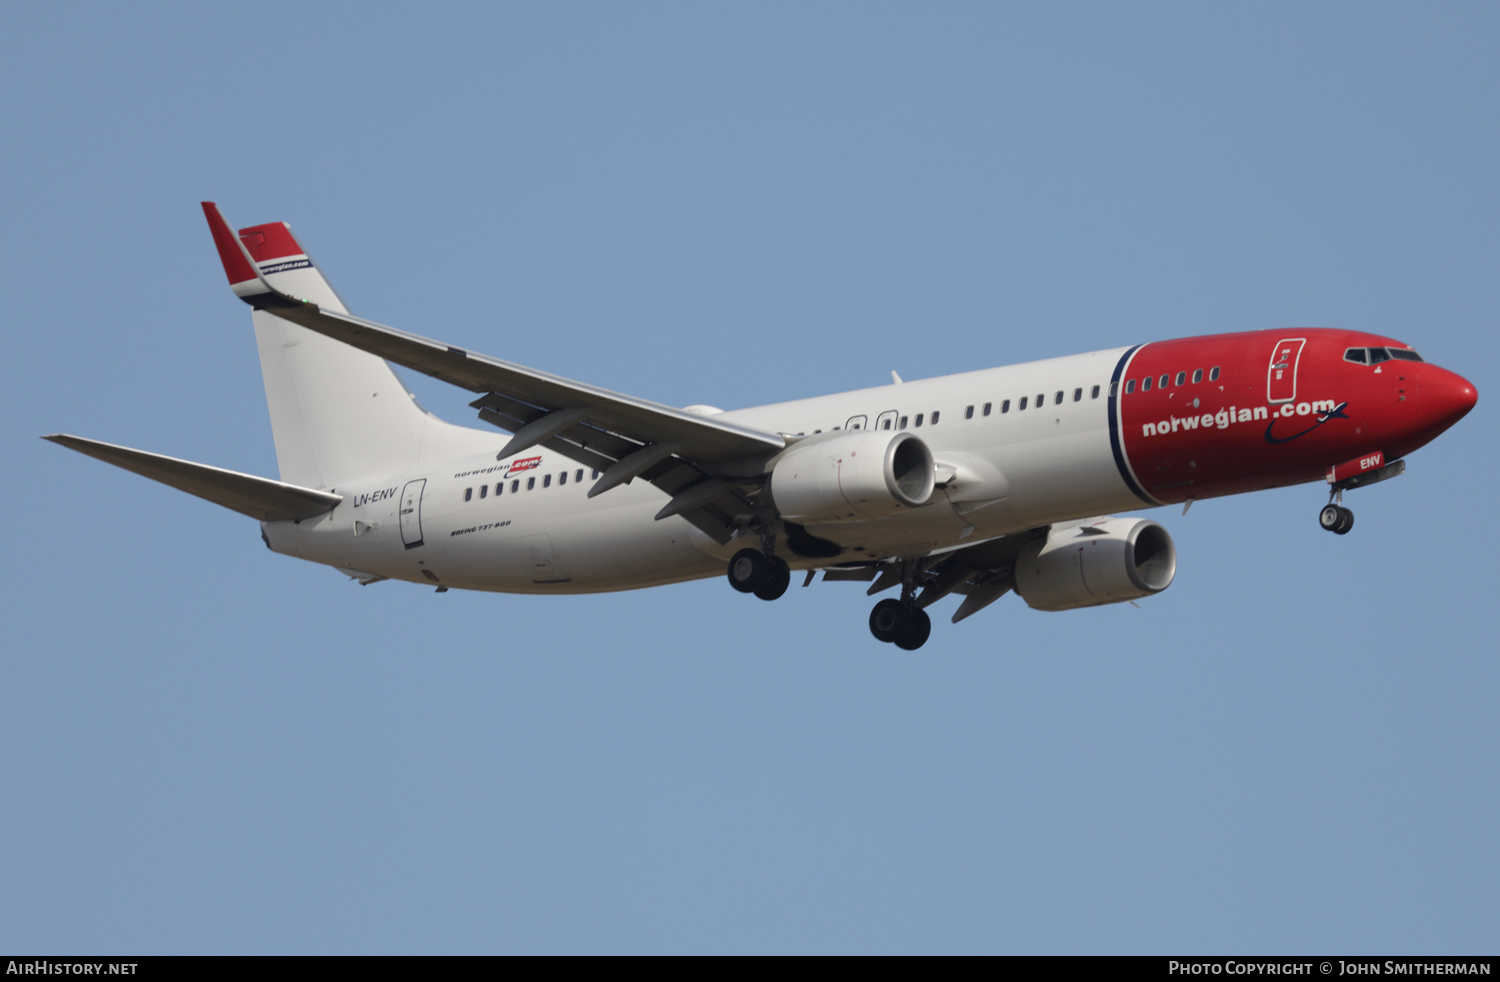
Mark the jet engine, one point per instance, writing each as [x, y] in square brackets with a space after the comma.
[1107, 561]
[852, 477]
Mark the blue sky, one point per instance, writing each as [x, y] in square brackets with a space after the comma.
[209, 748]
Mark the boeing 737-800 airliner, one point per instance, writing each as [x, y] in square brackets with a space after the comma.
[974, 484]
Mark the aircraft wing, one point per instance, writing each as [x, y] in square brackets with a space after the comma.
[981, 573]
[623, 436]
[259, 497]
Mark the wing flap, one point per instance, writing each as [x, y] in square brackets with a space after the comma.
[259, 497]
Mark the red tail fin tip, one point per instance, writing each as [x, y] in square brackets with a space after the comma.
[273, 241]
[237, 265]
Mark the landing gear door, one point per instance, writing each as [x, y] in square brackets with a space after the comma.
[411, 513]
[1281, 377]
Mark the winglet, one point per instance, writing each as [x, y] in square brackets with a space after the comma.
[245, 278]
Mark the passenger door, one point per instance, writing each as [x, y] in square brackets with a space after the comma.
[1281, 376]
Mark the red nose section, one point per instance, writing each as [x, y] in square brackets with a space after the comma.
[1446, 396]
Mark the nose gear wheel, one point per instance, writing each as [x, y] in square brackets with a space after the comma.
[1335, 517]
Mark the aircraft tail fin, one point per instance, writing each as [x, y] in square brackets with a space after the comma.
[337, 413]
[258, 497]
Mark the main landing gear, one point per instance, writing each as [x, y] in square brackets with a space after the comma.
[901, 622]
[764, 574]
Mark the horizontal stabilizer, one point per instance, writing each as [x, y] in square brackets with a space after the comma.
[259, 497]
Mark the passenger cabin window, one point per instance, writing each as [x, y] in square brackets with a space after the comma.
[1057, 400]
[547, 481]
[1129, 386]
[885, 424]
[1161, 383]
[530, 483]
[1197, 375]
[562, 479]
[1078, 394]
[1005, 406]
[1213, 374]
[903, 423]
[596, 477]
[1146, 384]
[1181, 378]
[484, 489]
[499, 489]
[987, 407]
[515, 486]
[1095, 394]
[1022, 406]
[468, 494]
[578, 476]
[919, 419]
[969, 413]
[934, 417]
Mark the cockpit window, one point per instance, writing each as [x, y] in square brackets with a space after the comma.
[1374, 356]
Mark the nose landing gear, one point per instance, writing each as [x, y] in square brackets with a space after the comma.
[1334, 516]
[1347, 476]
[1336, 519]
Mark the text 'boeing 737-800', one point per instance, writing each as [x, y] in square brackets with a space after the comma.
[973, 484]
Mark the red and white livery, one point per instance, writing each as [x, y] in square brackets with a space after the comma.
[973, 484]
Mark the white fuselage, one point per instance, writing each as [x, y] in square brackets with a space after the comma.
[1005, 472]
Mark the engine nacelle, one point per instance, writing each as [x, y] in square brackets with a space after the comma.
[852, 477]
[1105, 562]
